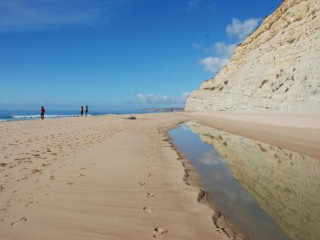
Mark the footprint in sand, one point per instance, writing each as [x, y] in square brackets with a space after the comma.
[23, 219]
[52, 178]
[81, 175]
[158, 231]
[33, 171]
[147, 209]
[149, 175]
[150, 195]
[142, 183]
[70, 183]
[30, 203]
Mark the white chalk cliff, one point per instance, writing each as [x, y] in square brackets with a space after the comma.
[276, 68]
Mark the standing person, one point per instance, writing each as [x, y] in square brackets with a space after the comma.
[87, 110]
[81, 111]
[42, 111]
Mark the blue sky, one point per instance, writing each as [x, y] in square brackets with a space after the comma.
[117, 54]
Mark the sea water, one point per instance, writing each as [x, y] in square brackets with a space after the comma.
[16, 115]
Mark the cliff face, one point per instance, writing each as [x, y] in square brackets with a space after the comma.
[284, 183]
[277, 67]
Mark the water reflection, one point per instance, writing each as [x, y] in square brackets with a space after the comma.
[286, 185]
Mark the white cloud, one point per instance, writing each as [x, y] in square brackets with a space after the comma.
[193, 4]
[242, 29]
[162, 99]
[201, 48]
[212, 158]
[154, 99]
[213, 64]
[224, 51]
[184, 96]
[201, 4]
[221, 52]
[220, 49]
[17, 15]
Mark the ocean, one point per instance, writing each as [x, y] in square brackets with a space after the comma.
[20, 115]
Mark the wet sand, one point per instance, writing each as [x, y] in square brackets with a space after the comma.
[111, 178]
[299, 132]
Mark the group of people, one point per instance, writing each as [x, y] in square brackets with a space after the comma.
[43, 110]
[81, 111]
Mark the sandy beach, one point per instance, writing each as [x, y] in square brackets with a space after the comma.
[180, 120]
[112, 178]
[97, 178]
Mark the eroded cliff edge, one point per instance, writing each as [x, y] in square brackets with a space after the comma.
[276, 68]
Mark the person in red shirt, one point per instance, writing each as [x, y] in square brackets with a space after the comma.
[42, 111]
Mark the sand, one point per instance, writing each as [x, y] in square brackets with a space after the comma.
[299, 132]
[112, 178]
[97, 178]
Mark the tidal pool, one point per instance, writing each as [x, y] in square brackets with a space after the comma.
[266, 192]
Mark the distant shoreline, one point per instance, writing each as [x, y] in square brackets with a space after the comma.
[24, 115]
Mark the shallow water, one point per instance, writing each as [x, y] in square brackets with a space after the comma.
[265, 191]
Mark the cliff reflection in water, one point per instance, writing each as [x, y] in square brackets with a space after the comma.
[285, 184]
